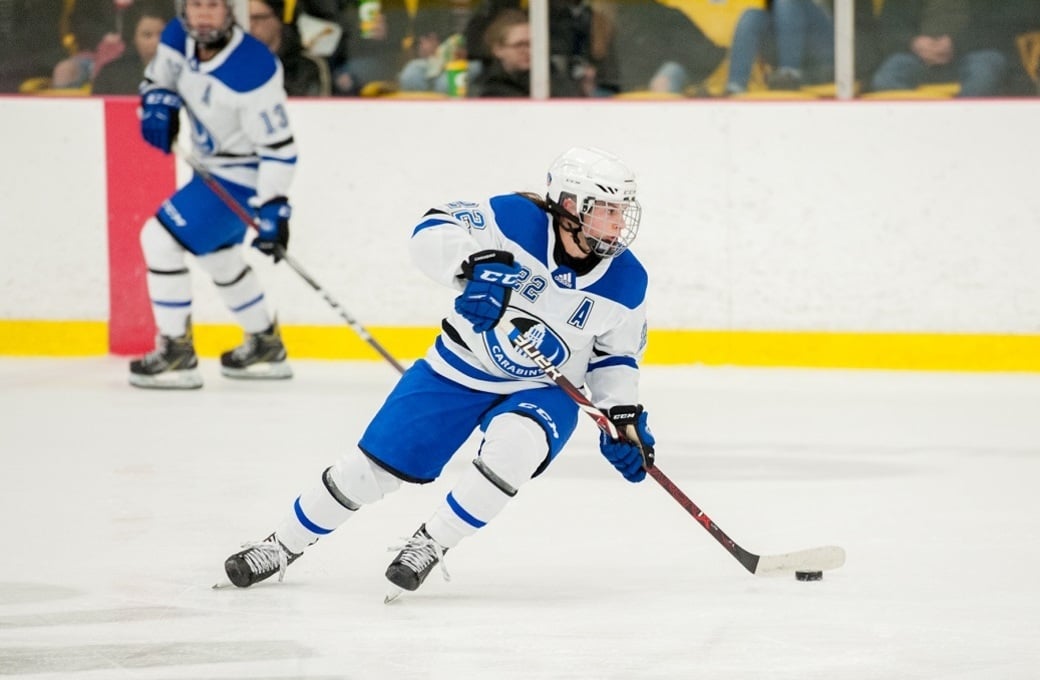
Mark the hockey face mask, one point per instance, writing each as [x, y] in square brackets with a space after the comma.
[206, 26]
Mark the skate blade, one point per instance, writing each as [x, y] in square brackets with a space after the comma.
[170, 380]
[392, 593]
[279, 370]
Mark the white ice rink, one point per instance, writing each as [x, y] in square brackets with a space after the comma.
[119, 506]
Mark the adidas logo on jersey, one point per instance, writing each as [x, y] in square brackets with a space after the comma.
[564, 276]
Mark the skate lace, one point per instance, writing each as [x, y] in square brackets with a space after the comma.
[168, 352]
[419, 552]
[247, 348]
[265, 557]
[158, 355]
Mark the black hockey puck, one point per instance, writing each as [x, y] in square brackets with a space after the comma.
[808, 575]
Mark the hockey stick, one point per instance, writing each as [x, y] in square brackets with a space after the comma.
[244, 215]
[813, 559]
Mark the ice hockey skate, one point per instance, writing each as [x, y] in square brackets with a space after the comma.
[259, 561]
[172, 365]
[414, 563]
[261, 357]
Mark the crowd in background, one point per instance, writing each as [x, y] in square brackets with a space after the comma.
[598, 48]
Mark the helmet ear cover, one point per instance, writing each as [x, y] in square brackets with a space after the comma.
[557, 209]
[217, 36]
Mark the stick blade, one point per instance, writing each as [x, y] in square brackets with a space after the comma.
[814, 559]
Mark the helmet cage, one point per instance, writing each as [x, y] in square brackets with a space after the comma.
[604, 193]
[210, 37]
[607, 240]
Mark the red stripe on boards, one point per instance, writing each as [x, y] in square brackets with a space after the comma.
[140, 178]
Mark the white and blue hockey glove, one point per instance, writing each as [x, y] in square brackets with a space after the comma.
[273, 227]
[160, 118]
[630, 459]
[490, 277]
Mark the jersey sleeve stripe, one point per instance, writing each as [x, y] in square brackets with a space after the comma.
[275, 159]
[252, 165]
[426, 224]
[613, 361]
[278, 145]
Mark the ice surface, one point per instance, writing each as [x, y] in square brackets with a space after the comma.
[119, 506]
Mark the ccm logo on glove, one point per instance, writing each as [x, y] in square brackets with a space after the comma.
[273, 227]
[631, 458]
[490, 275]
[160, 118]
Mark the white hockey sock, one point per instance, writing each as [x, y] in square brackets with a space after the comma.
[170, 293]
[352, 482]
[239, 288]
[469, 506]
[315, 514]
[513, 448]
[169, 282]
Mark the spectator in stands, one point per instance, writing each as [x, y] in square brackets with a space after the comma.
[332, 11]
[304, 75]
[660, 49]
[94, 43]
[143, 24]
[929, 41]
[797, 36]
[438, 39]
[427, 70]
[580, 41]
[373, 52]
[509, 75]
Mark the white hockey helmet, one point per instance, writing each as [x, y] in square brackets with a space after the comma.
[216, 34]
[593, 177]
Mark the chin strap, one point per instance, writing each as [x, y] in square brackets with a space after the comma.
[579, 241]
[559, 215]
[581, 265]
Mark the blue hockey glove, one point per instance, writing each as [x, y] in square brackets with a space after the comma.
[160, 118]
[631, 460]
[273, 227]
[491, 275]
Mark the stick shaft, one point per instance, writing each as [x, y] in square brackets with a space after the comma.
[527, 346]
[749, 560]
[361, 331]
[229, 200]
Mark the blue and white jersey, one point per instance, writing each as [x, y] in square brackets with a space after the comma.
[592, 327]
[235, 103]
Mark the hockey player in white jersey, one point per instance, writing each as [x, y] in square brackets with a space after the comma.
[230, 86]
[555, 269]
